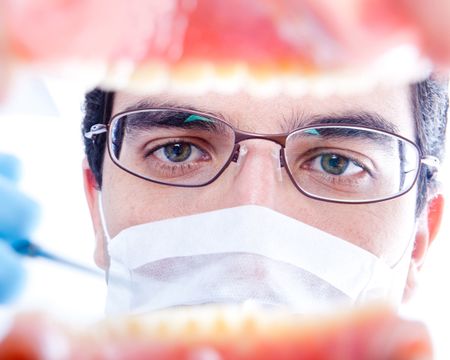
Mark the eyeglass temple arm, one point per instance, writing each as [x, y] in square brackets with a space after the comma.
[433, 164]
[95, 130]
[431, 161]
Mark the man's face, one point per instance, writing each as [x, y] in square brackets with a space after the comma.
[384, 228]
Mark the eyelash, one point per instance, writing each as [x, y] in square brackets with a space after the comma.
[349, 158]
[171, 142]
[172, 168]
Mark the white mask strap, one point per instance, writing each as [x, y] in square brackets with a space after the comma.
[102, 216]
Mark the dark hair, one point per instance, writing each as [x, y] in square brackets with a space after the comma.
[94, 113]
[430, 105]
[429, 99]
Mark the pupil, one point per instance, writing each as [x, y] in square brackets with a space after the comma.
[334, 164]
[177, 152]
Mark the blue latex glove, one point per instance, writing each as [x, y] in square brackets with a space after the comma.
[18, 216]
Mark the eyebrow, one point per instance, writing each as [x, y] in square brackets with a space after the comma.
[365, 119]
[172, 118]
[293, 122]
[155, 104]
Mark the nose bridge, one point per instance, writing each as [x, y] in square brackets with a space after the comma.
[279, 139]
[241, 150]
[258, 174]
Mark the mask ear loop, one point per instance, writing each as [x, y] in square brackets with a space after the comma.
[102, 216]
[108, 276]
[107, 110]
[401, 267]
[396, 274]
[107, 238]
[407, 251]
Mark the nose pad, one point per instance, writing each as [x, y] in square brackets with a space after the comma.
[235, 155]
[239, 154]
[276, 155]
[241, 151]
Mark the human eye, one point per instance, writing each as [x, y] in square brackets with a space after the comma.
[335, 164]
[175, 157]
[179, 152]
[337, 170]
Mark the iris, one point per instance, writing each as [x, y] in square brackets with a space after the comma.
[177, 152]
[334, 164]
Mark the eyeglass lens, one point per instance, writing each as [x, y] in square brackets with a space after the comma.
[339, 163]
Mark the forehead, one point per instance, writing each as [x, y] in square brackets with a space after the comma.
[281, 113]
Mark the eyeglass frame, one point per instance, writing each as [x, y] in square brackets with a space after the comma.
[240, 135]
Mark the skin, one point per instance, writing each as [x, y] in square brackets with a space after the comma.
[384, 228]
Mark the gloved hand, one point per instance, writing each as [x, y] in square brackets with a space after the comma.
[18, 215]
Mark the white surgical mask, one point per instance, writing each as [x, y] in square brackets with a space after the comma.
[247, 253]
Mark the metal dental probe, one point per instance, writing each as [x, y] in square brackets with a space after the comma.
[27, 248]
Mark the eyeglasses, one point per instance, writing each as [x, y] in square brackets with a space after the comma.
[333, 162]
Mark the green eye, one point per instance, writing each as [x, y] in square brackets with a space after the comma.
[334, 164]
[177, 152]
